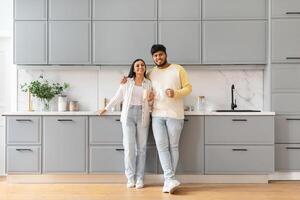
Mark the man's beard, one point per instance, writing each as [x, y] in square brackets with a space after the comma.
[161, 64]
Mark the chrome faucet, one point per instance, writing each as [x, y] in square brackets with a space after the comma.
[233, 101]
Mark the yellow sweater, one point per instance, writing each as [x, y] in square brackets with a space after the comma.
[173, 77]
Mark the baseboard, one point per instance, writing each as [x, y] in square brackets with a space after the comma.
[284, 176]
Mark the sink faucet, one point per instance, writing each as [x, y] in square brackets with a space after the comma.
[233, 102]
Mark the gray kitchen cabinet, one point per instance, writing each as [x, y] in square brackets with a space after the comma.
[179, 9]
[70, 9]
[287, 129]
[23, 129]
[69, 42]
[191, 146]
[110, 158]
[23, 159]
[124, 10]
[239, 129]
[64, 144]
[234, 9]
[285, 9]
[121, 42]
[285, 40]
[30, 9]
[30, 42]
[234, 42]
[182, 39]
[239, 159]
[285, 78]
[287, 157]
[284, 103]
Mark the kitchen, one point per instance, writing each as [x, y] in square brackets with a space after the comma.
[251, 44]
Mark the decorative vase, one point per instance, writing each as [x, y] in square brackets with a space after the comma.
[45, 105]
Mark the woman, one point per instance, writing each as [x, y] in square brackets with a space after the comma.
[135, 121]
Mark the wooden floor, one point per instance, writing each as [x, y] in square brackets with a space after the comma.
[274, 190]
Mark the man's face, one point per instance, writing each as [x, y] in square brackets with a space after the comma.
[160, 58]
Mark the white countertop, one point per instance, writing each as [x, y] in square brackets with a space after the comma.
[91, 113]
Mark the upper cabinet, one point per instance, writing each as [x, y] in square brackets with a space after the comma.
[234, 9]
[121, 42]
[182, 39]
[69, 9]
[124, 9]
[234, 42]
[179, 9]
[30, 9]
[285, 8]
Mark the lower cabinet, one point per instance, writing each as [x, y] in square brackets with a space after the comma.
[111, 159]
[287, 157]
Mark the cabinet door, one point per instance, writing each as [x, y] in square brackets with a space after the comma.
[286, 8]
[30, 42]
[111, 159]
[287, 157]
[69, 42]
[69, 9]
[234, 9]
[23, 159]
[191, 147]
[283, 103]
[234, 42]
[182, 40]
[121, 42]
[30, 9]
[124, 9]
[287, 129]
[285, 78]
[65, 144]
[239, 159]
[179, 9]
[285, 41]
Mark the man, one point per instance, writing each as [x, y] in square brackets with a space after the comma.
[170, 84]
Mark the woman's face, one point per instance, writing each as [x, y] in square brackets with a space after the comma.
[139, 67]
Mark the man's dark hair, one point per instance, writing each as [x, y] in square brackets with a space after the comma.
[158, 47]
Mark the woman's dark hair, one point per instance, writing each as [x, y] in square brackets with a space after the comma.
[131, 73]
[158, 47]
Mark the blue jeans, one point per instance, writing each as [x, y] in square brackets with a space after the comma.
[135, 143]
[166, 133]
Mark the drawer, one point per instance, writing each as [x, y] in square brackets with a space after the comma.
[285, 78]
[111, 159]
[112, 134]
[285, 8]
[283, 103]
[23, 129]
[239, 159]
[239, 130]
[23, 159]
[287, 157]
[234, 9]
[287, 129]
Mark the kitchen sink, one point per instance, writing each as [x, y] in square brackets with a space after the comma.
[238, 111]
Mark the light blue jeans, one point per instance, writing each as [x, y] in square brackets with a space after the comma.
[135, 143]
[166, 133]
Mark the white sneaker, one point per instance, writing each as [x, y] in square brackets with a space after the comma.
[139, 184]
[130, 183]
[166, 187]
[173, 186]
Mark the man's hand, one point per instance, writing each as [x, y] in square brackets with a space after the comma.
[170, 93]
[101, 111]
[124, 80]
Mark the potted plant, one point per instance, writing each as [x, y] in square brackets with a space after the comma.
[44, 91]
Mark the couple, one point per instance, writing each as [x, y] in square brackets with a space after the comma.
[161, 91]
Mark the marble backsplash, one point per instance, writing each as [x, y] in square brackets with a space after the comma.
[90, 86]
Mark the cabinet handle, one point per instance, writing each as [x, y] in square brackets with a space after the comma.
[119, 149]
[239, 149]
[24, 150]
[292, 147]
[292, 58]
[291, 119]
[186, 120]
[117, 120]
[23, 120]
[65, 120]
[292, 13]
[239, 120]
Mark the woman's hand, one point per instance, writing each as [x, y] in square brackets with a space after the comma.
[150, 96]
[101, 111]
